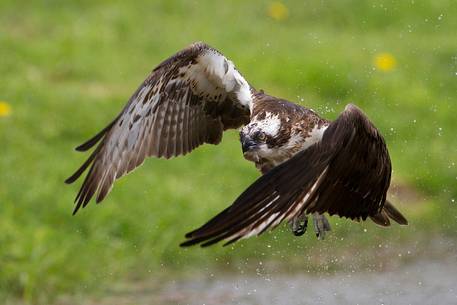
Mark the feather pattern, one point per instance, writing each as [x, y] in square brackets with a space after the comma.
[165, 117]
[309, 165]
[347, 173]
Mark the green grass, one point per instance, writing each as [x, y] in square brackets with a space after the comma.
[67, 69]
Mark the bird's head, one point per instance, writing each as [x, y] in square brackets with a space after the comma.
[258, 137]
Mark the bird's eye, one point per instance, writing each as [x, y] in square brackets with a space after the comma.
[260, 136]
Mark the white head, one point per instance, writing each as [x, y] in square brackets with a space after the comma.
[258, 138]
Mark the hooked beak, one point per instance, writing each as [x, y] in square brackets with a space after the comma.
[247, 145]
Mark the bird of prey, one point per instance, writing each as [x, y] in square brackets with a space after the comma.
[309, 165]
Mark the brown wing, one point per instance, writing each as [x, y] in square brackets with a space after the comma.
[188, 100]
[347, 173]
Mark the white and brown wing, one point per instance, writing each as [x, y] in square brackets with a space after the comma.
[347, 173]
[188, 100]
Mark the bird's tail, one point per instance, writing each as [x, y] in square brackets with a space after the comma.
[389, 212]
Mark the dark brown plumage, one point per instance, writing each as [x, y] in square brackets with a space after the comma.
[330, 176]
[311, 166]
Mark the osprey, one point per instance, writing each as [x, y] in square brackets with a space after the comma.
[310, 165]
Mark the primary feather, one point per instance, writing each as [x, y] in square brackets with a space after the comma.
[188, 100]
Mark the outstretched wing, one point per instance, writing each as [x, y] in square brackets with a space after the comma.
[188, 100]
[347, 173]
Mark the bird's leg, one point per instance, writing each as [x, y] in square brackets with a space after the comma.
[299, 224]
[321, 225]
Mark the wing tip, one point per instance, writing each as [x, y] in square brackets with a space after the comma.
[81, 148]
[76, 209]
[188, 243]
[70, 180]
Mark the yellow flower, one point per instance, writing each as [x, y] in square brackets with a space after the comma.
[278, 11]
[5, 109]
[385, 62]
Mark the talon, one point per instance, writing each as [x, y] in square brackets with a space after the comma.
[299, 232]
[299, 225]
[321, 225]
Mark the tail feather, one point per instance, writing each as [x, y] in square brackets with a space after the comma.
[381, 219]
[394, 214]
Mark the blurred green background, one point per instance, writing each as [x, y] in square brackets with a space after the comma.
[67, 68]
